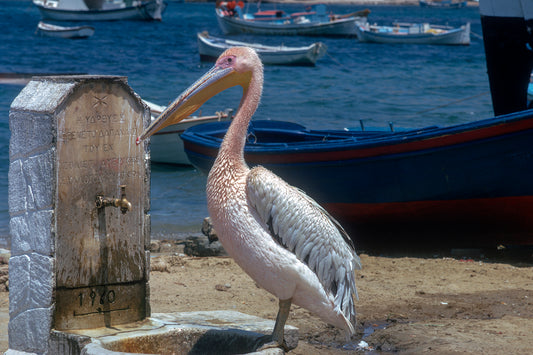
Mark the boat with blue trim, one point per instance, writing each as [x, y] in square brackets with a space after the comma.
[470, 184]
[316, 22]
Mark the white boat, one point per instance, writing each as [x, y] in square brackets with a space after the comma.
[422, 33]
[443, 4]
[100, 10]
[276, 22]
[49, 30]
[166, 145]
[210, 49]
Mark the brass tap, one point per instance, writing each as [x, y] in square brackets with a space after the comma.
[121, 202]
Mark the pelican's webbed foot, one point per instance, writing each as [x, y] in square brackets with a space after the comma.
[266, 342]
[277, 340]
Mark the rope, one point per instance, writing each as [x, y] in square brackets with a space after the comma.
[452, 102]
[476, 35]
[336, 61]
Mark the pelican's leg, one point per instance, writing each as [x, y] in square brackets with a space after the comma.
[276, 340]
[281, 319]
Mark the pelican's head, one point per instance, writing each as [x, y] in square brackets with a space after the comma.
[234, 67]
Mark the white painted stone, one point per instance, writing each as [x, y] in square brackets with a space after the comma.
[40, 224]
[39, 172]
[41, 281]
[19, 279]
[31, 232]
[30, 330]
[18, 227]
[17, 188]
[33, 133]
[42, 96]
[17, 352]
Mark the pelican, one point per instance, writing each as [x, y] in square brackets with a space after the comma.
[277, 234]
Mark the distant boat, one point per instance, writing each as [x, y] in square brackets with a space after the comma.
[276, 22]
[443, 4]
[100, 10]
[166, 146]
[467, 184]
[49, 30]
[210, 48]
[409, 33]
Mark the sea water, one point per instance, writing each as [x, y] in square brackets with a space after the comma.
[409, 85]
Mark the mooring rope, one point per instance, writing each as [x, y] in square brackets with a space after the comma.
[452, 102]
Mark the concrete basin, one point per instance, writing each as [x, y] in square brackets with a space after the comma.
[220, 332]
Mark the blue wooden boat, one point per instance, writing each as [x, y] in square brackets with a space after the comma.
[276, 22]
[414, 33]
[468, 185]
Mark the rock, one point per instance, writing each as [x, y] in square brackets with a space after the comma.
[155, 246]
[208, 230]
[220, 287]
[200, 246]
[4, 256]
[159, 264]
[4, 278]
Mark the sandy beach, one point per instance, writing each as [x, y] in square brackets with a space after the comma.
[407, 305]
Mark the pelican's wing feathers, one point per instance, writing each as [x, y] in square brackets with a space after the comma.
[303, 227]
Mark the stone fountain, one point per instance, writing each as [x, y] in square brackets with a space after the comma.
[79, 197]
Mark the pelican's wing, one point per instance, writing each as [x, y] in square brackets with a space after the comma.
[300, 225]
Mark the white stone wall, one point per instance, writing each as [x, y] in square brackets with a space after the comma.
[31, 205]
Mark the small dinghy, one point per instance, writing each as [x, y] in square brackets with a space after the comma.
[49, 30]
[211, 47]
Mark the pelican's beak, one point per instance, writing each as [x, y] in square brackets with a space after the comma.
[211, 83]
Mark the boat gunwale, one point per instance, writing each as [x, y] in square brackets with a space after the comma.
[410, 141]
[223, 43]
[344, 27]
[424, 35]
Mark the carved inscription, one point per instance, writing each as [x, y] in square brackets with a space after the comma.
[100, 253]
[106, 297]
[99, 306]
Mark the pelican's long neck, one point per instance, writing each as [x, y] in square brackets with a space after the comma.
[232, 148]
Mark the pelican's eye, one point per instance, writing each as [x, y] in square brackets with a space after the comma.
[226, 62]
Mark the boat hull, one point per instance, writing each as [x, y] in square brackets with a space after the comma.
[166, 146]
[459, 36]
[65, 32]
[210, 48]
[151, 10]
[471, 183]
[443, 4]
[338, 28]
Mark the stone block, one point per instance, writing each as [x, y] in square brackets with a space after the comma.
[31, 133]
[41, 281]
[18, 227]
[19, 279]
[17, 352]
[39, 171]
[17, 188]
[40, 231]
[31, 283]
[32, 232]
[30, 330]
[42, 95]
[66, 343]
